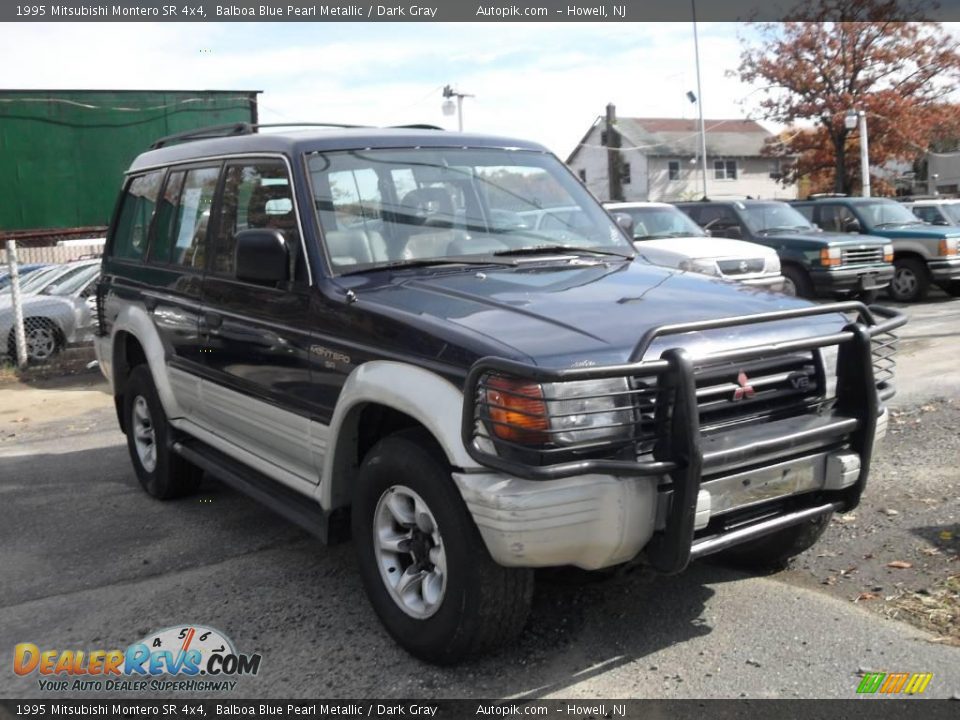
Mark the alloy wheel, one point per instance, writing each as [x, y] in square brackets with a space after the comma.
[409, 551]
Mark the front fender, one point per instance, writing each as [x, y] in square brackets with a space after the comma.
[431, 400]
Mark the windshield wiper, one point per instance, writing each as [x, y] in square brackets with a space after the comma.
[561, 249]
[786, 228]
[431, 262]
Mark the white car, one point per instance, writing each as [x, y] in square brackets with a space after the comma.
[937, 211]
[666, 236]
[56, 314]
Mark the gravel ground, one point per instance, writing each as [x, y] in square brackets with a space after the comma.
[899, 552]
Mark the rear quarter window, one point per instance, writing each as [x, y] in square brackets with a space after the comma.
[132, 228]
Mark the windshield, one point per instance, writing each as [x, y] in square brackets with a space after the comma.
[952, 211]
[36, 280]
[74, 281]
[424, 206]
[650, 223]
[884, 213]
[765, 217]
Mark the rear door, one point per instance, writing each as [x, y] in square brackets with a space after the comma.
[174, 272]
[256, 337]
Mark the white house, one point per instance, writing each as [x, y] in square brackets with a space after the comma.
[660, 160]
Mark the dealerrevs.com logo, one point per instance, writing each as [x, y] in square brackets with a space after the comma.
[182, 658]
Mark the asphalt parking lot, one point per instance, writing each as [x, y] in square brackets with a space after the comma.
[91, 562]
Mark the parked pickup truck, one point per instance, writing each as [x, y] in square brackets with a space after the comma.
[351, 326]
[665, 236]
[923, 254]
[813, 262]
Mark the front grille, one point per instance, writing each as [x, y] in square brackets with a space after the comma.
[863, 256]
[741, 267]
[767, 388]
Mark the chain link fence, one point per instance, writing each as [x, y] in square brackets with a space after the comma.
[47, 302]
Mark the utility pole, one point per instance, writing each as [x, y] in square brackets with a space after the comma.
[703, 130]
[851, 120]
[612, 141]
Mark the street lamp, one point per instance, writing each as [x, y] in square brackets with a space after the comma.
[449, 107]
[850, 121]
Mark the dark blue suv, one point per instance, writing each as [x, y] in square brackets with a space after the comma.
[358, 328]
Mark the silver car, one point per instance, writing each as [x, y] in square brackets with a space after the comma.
[57, 310]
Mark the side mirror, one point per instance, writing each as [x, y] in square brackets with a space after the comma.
[625, 222]
[852, 226]
[262, 256]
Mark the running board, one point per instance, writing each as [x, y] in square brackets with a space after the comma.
[295, 507]
[717, 543]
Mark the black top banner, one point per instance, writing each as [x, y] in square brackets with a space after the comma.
[477, 11]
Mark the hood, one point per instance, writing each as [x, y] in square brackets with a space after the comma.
[825, 239]
[918, 232]
[706, 247]
[558, 315]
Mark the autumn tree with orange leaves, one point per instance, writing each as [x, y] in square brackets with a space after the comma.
[854, 56]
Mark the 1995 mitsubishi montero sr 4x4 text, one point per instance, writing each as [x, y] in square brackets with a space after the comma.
[354, 326]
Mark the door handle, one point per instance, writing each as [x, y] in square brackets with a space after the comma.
[212, 320]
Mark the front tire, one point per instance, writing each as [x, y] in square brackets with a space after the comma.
[43, 339]
[423, 563]
[774, 551]
[797, 282]
[910, 280]
[162, 473]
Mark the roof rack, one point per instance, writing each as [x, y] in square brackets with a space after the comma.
[245, 128]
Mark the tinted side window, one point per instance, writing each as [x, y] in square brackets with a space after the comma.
[719, 216]
[836, 218]
[255, 195]
[166, 222]
[193, 216]
[133, 223]
[927, 213]
[805, 210]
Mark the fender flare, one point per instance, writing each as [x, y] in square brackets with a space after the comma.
[431, 400]
[133, 319]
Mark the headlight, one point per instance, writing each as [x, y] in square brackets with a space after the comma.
[589, 410]
[831, 257]
[704, 266]
[565, 413]
[948, 247]
[888, 253]
[772, 264]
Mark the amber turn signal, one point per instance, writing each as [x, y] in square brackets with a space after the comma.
[517, 411]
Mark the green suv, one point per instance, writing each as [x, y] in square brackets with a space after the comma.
[812, 262]
[924, 254]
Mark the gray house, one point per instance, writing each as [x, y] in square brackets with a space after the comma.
[660, 160]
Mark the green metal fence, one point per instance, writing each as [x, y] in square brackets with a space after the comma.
[63, 152]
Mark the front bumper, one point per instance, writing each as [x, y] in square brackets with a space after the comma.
[596, 521]
[944, 269]
[599, 511]
[767, 282]
[857, 278]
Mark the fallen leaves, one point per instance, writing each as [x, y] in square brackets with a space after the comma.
[866, 596]
[900, 564]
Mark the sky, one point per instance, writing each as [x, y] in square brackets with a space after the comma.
[539, 81]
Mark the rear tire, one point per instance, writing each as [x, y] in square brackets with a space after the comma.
[773, 551]
[797, 283]
[409, 522]
[162, 473]
[910, 280]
